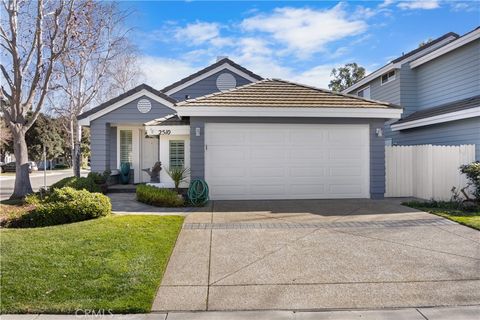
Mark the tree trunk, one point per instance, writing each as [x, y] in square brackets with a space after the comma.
[76, 149]
[72, 144]
[22, 186]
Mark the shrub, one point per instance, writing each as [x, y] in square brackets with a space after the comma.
[61, 166]
[159, 197]
[96, 177]
[472, 171]
[64, 205]
[178, 175]
[78, 184]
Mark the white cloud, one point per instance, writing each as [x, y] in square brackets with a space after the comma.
[464, 6]
[197, 33]
[422, 5]
[306, 31]
[160, 72]
[318, 76]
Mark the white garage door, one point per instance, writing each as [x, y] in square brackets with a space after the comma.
[286, 161]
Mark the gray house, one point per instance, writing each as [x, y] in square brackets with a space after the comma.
[438, 85]
[248, 137]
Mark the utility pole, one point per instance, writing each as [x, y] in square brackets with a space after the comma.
[44, 167]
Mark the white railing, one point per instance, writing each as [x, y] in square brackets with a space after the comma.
[426, 171]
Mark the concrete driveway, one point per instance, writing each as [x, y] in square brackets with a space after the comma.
[320, 254]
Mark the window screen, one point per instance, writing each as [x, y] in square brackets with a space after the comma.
[177, 153]
[126, 146]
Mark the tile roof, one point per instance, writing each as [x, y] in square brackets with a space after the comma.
[123, 96]
[442, 109]
[281, 93]
[211, 67]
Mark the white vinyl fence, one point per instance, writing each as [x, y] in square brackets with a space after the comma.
[426, 171]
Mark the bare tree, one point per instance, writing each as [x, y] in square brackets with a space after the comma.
[33, 37]
[122, 75]
[91, 67]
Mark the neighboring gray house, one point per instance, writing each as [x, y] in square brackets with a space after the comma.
[438, 86]
[248, 137]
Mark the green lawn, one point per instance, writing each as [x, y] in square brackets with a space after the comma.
[114, 263]
[468, 218]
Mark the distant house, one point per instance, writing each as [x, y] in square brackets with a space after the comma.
[248, 137]
[438, 85]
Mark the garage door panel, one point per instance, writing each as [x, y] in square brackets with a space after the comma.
[268, 172]
[306, 154]
[265, 137]
[307, 189]
[345, 189]
[304, 171]
[342, 154]
[228, 138]
[268, 153]
[344, 136]
[345, 172]
[306, 137]
[287, 161]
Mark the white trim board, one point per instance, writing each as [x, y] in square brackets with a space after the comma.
[474, 35]
[452, 116]
[208, 74]
[290, 112]
[86, 121]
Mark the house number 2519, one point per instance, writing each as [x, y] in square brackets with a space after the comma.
[165, 132]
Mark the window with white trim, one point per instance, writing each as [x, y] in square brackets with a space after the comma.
[387, 77]
[126, 146]
[177, 153]
[364, 93]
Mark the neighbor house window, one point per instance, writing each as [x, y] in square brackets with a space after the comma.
[126, 146]
[177, 153]
[389, 76]
[364, 93]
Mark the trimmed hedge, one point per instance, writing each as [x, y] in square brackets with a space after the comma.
[159, 197]
[63, 205]
[78, 184]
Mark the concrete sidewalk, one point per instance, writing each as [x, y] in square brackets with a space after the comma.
[457, 313]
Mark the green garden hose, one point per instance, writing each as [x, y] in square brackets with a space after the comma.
[198, 192]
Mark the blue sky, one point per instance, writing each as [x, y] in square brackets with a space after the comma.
[294, 40]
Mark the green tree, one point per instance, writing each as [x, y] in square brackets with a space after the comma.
[45, 131]
[346, 76]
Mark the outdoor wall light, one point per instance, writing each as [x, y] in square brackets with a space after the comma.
[379, 132]
[197, 132]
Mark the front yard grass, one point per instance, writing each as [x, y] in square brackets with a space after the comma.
[114, 264]
[470, 218]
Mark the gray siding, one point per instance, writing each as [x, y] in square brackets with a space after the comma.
[458, 132]
[206, 86]
[451, 77]
[377, 144]
[389, 92]
[103, 144]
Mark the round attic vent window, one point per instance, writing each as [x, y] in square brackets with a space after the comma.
[226, 81]
[144, 105]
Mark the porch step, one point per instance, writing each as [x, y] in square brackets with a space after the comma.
[122, 188]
